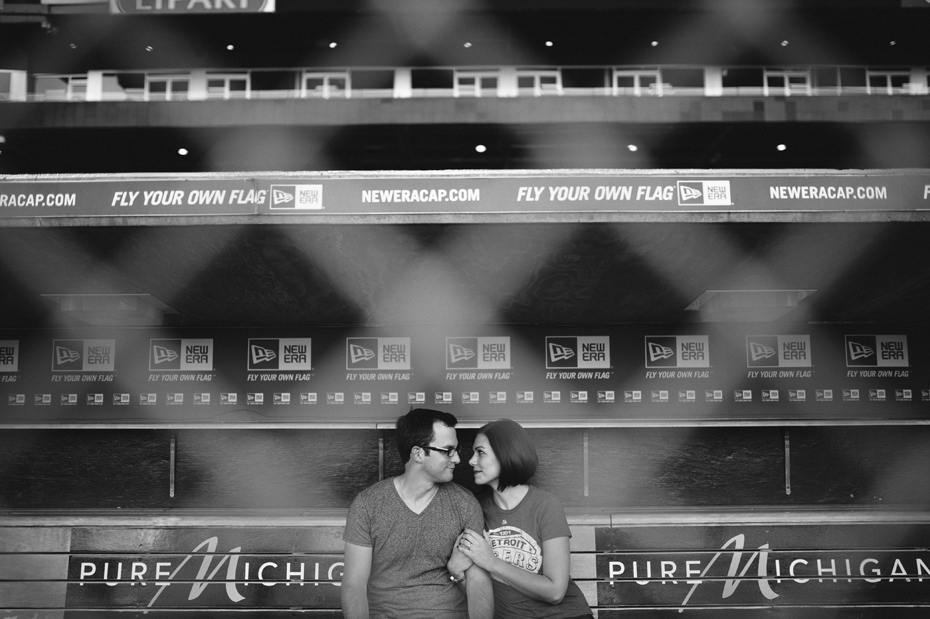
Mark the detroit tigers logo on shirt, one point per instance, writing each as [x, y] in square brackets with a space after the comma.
[516, 547]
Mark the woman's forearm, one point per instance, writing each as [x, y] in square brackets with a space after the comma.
[537, 586]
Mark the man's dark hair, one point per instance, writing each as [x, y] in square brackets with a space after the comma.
[514, 450]
[415, 429]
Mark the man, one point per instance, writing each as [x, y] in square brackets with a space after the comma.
[400, 533]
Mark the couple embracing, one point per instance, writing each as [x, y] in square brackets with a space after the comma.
[418, 546]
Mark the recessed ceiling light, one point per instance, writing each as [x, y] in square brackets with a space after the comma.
[148, 48]
[549, 43]
[182, 151]
[230, 47]
[333, 45]
[481, 148]
[893, 43]
[784, 43]
[467, 44]
[655, 43]
[781, 148]
[632, 148]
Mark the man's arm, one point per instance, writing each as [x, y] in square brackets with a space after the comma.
[480, 593]
[458, 563]
[355, 575]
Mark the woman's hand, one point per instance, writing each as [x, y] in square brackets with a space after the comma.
[477, 548]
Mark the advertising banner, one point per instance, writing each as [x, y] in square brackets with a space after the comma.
[706, 372]
[822, 569]
[773, 568]
[330, 194]
[204, 568]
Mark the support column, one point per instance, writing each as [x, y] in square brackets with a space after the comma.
[18, 88]
[507, 83]
[403, 83]
[713, 81]
[197, 90]
[918, 82]
[94, 86]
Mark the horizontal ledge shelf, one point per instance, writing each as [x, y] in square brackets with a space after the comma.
[472, 424]
[501, 217]
[616, 516]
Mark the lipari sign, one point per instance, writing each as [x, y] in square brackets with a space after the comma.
[188, 7]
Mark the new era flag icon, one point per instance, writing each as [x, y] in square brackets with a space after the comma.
[163, 355]
[297, 197]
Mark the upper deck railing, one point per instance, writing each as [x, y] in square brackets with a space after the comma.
[503, 82]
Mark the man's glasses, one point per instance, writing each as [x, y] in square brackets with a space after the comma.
[446, 451]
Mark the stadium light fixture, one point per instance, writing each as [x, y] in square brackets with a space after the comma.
[112, 310]
[747, 305]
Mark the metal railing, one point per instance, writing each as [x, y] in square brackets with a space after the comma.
[448, 82]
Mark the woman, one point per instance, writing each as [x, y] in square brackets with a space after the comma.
[525, 545]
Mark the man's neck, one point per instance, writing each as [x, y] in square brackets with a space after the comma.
[415, 490]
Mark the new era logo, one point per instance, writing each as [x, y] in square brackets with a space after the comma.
[477, 353]
[586, 352]
[279, 354]
[358, 353]
[296, 197]
[689, 193]
[160, 354]
[195, 355]
[658, 352]
[378, 353]
[9, 355]
[773, 351]
[704, 193]
[66, 355]
[759, 351]
[459, 353]
[560, 353]
[859, 351]
[279, 197]
[260, 354]
[876, 351]
[83, 355]
[677, 351]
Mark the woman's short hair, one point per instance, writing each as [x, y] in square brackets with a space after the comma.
[415, 429]
[514, 450]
